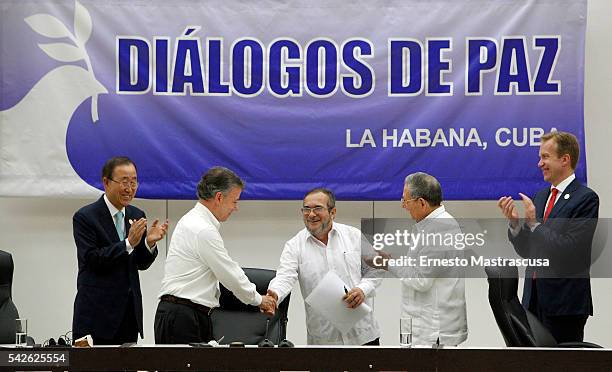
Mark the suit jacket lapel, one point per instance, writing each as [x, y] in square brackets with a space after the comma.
[128, 216]
[107, 221]
[563, 200]
[540, 204]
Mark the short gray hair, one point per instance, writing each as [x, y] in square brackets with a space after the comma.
[218, 179]
[423, 185]
[331, 198]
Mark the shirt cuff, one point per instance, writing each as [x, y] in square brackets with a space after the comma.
[128, 247]
[257, 300]
[367, 288]
[147, 245]
[514, 230]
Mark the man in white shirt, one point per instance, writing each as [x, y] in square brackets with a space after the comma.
[322, 246]
[433, 296]
[559, 224]
[197, 262]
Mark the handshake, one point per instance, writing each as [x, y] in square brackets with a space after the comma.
[268, 303]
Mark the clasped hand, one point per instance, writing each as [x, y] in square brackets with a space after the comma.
[268, 303]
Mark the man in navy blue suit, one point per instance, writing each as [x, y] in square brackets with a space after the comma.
[112, 245]
[559, 224]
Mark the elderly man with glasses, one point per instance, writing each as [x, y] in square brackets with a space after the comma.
[434, 297]
[113, 243]
[325, 245]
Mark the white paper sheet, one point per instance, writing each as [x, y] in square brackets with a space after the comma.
[326, 299]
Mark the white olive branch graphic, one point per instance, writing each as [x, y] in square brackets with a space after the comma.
[51, 27]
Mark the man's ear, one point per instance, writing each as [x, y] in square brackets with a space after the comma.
[219, 196]
[567, 160]
[105, 181]
[332, 213]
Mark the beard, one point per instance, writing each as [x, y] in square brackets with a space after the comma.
[323, 227]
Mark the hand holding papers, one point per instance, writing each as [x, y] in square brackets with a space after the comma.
[327, 300]
[354, 297]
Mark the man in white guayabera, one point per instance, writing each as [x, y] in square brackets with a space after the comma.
[432, 295]
[322, 246]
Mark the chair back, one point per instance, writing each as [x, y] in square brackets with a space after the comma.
[509, 314]
[518, 326]
[235, 321]
[8, 311]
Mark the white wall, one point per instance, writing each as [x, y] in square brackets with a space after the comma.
[38, 232]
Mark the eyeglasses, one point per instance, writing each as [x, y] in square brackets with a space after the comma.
[318, 209]
[404, 201]
[126, 183]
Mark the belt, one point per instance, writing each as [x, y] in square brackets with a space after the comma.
[183, 301]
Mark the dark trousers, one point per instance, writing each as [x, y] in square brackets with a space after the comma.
[181, 324]
[564, 328]
[128, 329]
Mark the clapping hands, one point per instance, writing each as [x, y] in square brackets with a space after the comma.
[137, 230]
[506, 205]
[156, 232]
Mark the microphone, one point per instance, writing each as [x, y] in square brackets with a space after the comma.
[265, 342]
[285, 342]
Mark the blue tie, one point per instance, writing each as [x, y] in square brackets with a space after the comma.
[119, 225]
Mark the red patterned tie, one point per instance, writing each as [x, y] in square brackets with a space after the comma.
[551, 203]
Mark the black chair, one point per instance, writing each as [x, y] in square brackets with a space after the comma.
[235, 321]
[8, 311]
[519, 327]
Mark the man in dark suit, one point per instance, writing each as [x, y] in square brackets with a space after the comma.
[110, 250]
[559, 225]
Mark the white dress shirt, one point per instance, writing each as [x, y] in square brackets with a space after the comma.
[197, 261]
[435, 301]
[307, 259]
[561, 187]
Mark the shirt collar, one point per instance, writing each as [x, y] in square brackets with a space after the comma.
[111, 208]
[205, 212]
[331, 233]
[564, 184]
[434, 214]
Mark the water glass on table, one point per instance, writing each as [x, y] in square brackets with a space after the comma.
[405, 332]
[21, 332]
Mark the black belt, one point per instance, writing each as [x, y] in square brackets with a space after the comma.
[183, 301]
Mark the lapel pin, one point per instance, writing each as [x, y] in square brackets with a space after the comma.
[566, 196]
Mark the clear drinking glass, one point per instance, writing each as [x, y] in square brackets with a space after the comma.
[405, 332]
[21, 332]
